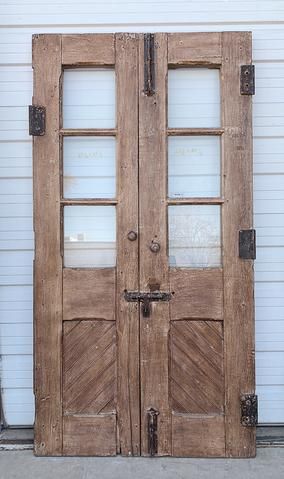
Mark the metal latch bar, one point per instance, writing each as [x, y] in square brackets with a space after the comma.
[153, 431]
[146, 298]
[149, 64]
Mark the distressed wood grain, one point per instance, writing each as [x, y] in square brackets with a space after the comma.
[89, 294]
[194, 48]
[48, 262]
[153, 228]
[127, 251]
[197, 293]
[88, 49]
[237, 214]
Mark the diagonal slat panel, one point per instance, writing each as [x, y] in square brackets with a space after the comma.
[196, 372]
[89, 366]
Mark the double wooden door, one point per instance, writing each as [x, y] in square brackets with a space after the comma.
[144, 334]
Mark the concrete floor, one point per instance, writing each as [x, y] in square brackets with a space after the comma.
[269, 464]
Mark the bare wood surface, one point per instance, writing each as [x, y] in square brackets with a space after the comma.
[89, 368]
[88, 201]
[195, 131]
[88, 49]
[89, 132]
[237, 214]
[196, 372]
[48, 263]
[154, 266]
[198, 436]
[195, 201]
[194, 48]
[197, 293]
[89, 293]
[80, 432]
[127, 251]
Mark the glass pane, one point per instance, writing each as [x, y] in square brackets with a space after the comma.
[194, 166]
[194, 98]
[195, 236]
[89, 98]
[89, 236]
[89, 167]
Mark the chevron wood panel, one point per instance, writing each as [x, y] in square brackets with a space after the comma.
[89, 367]
[196, 373]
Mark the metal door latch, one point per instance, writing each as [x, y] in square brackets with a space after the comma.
[149, 64]
[146, 298]
[153, 431]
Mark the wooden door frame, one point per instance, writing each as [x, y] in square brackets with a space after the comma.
[51, 54]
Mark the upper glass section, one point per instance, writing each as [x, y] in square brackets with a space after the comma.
[194, 98]
[89, 98]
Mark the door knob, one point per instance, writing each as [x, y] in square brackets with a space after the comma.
[132, 236]
[155, 247]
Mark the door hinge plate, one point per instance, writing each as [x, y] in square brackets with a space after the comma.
[37, 116]
[249, 410]
[247, 244]
[247, 77]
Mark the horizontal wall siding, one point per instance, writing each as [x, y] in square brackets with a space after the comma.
[20, 19]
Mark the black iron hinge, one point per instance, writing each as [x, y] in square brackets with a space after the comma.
[37, 116]
[247, 77]
[249, 410]
[247, 244]
[149, 64]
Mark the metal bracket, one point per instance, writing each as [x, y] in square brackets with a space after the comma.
[145, 298]
[37, 115]
[153, 431]
[149, 64]
[247, 244]
[247, 83]
[249, 410]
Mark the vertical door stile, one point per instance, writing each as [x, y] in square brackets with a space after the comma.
[154, 261]
[237, 214]
[128, 402]
[48, 261]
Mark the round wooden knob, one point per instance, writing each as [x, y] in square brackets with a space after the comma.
[155, 247]
[132, 236]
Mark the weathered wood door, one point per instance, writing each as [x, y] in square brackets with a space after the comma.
[144, 337]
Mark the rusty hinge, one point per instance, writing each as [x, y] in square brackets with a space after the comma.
[153, 431]
[149, 64]
[145, 298]
[36, 120]
[249, 412]
[247, 244]
[247, 83]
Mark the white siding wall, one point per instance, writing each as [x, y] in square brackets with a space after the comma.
[20, 19]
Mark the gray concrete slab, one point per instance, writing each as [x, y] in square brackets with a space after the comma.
[269, 464]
